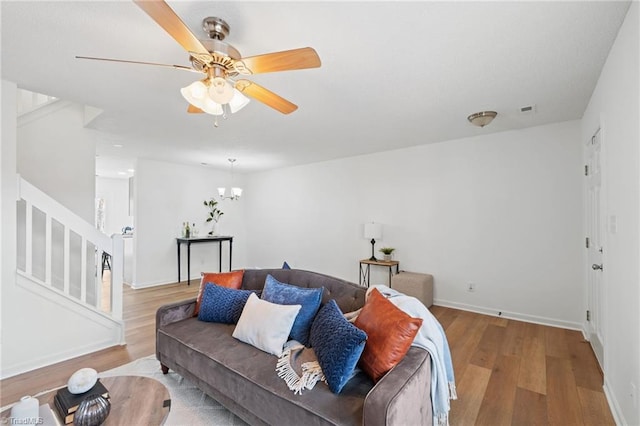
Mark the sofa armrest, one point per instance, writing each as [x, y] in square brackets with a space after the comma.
[172, 312]
[402, 396]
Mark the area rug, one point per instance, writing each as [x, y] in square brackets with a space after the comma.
[189, 405]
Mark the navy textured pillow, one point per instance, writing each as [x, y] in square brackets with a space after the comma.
[285, 265]
[285, 294]
[338, 345]
[222, 304]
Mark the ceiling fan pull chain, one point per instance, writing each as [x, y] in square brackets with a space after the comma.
[215, 121]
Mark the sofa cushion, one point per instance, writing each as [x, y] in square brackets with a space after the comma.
[391, 332]
[221, 304]
[234, 372]
[285, 294]
[265, 325]
[348, 296]
[337, 344]
[231, 279]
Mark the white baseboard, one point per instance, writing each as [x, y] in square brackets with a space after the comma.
[511, 315]
[148, 284]
[613, 404]
[54, 358]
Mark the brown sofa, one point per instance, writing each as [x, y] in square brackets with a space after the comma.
[243, 378]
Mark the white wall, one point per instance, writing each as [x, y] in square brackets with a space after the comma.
[166, 195]
[502, 211]
[614, 106]
[8, 260]
[35, 330]
[115, 193]
[57, 155]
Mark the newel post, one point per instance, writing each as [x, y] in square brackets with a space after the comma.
[117, 274]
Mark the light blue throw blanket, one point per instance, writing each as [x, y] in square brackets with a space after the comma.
[432, 338]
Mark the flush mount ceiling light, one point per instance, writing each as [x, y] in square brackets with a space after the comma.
[236, 192]
[482, 118]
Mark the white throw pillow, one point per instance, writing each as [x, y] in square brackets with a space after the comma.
[265, 325]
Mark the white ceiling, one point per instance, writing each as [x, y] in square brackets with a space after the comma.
[394, 74]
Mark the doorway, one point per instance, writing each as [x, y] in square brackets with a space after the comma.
[595, 246]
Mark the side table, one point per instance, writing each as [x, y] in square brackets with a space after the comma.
[365, 269]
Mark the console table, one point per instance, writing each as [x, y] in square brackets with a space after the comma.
[191, 240]
[365, 269]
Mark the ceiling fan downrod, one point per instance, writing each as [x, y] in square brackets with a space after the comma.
[216, 28]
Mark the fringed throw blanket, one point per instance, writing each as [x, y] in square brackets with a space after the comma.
[296, 358]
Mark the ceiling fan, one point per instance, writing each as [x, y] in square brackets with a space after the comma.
[218, 93]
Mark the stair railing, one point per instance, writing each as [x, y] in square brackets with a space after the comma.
[60, 250]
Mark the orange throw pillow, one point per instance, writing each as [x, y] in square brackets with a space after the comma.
[231, 279]
[391, 332]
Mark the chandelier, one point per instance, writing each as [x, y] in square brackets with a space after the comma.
[236, 192]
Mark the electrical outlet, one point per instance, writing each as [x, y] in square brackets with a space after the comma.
[471, 287]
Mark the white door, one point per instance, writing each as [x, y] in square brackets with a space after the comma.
[595, 247]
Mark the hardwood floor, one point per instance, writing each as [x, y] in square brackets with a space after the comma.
[516, 373]
[507, 372]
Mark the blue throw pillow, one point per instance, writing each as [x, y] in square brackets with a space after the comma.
[285, 294]
[338, 345]
[222, 304]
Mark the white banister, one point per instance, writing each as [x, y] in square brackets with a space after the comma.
[48, 251]
[67, 261]
[117, 275]
[90, 283]
[29, 238]
[63, 215]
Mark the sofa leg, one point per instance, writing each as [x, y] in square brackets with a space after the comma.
[164, 369]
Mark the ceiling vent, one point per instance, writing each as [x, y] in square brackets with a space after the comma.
[528, 109]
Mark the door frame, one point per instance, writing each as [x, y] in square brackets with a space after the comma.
[597, 342]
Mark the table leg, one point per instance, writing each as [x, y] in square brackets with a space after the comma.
[390, 273]
[368, 275]
[230, 253]
[189, 263]
[219, 256]
[178, 261]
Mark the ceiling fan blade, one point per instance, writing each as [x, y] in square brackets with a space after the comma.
[164, 16]
[194, 110]
[265, 96]
[295, 59]
[178, 67]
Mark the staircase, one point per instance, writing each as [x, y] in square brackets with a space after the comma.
[60, 256]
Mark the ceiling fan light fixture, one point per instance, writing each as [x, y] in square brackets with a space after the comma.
[238, 101]
[195, 93]
[196, 90]
[211, 107]
[482, 118]
[220, 90]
